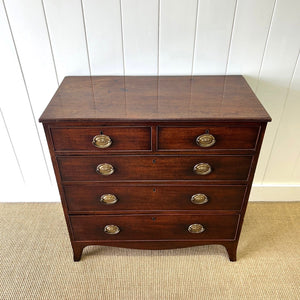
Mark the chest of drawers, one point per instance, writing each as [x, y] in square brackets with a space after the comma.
[154, 162]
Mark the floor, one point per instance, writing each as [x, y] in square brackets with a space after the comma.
[36, 261]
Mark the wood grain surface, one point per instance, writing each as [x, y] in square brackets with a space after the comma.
[215, 98]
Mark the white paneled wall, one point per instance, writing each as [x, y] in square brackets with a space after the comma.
[176, 36]
[42, 41]
[140, 36]
[213, 35]
[103, 28]
[66, 37]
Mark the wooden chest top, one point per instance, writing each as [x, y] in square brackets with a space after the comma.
[153, 98]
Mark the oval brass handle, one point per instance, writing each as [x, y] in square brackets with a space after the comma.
[111, 229]
[105, 169]
[205, 140]
[199, 199]
[108, 199]
[196, 228]
[101, 141]
[202, 169]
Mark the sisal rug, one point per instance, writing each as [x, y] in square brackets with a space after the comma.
[36, 261]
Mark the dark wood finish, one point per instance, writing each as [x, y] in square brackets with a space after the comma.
[86, 198]
[138, 168]
[197, 98]
[250, 180]
[77, 251]
[123, 138]
[230, 246]
[227, 137]
[154, 227]
[153, 123]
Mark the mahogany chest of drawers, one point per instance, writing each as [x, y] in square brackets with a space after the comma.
[154, 162]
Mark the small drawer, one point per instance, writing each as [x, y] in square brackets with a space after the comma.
[113, 168]
[101, 139]
[109, 198]
[207, 137]
[154, 227]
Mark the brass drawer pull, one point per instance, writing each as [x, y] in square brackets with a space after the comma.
[111, 229]
[105, 169]
[202, 169]
[196, 228]
[108, 199]
[199, 199]
[101, 141]
[205, 140]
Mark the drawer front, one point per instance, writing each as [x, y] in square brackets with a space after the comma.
[227, 167]
[154, 227]
[133, 198]
[225, 138]
[81, 139]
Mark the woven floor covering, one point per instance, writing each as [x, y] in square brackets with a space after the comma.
[36, 261]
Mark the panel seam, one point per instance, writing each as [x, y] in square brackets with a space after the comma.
[85, 37]
[12, 145]
[231, 35]
[51, 48]
[195, 37]
[265, 47]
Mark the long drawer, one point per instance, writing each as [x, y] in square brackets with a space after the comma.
[227, 167]
[154, 227]
[97, 197]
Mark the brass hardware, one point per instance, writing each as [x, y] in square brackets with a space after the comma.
[196, 228]
[108, 199]
[205, 140]
[105, 169]
[102, 141]
[199, 199]
[202, 169]
[111, 229]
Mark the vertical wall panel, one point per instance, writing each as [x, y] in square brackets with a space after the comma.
[249, 38]
[140, 30]
[296, 171]
[10, 175]
[277, 69]
[287, 140]
[32, 42]
[17, 111]
[29, 30]
[176, 37]
[214, 28]
[104, 36]
[66, 29]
